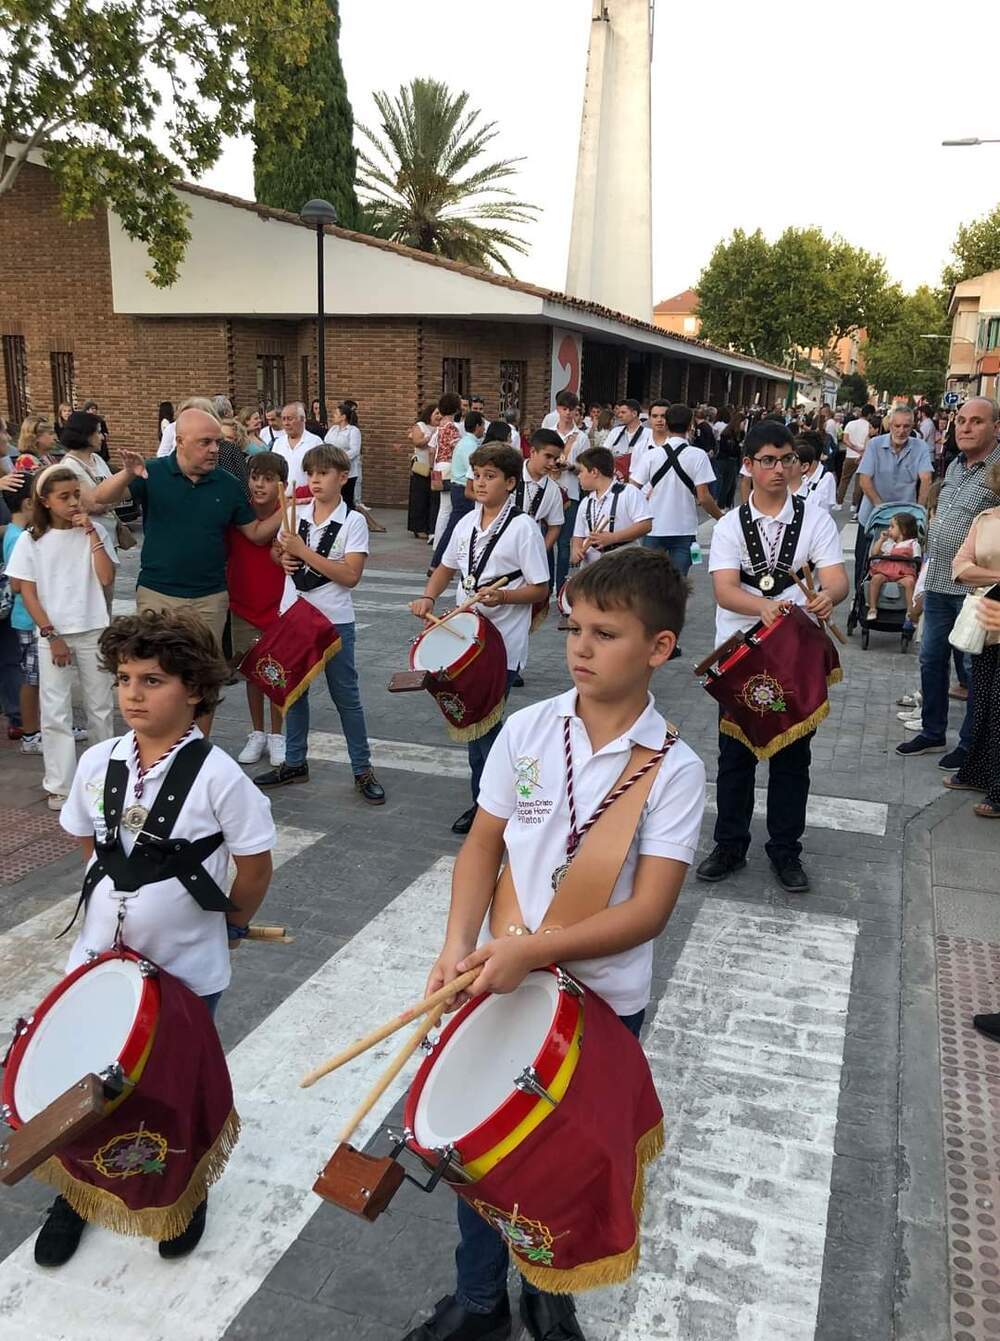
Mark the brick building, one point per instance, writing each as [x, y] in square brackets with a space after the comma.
[79, 318]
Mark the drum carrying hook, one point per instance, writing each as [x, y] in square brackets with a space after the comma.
[528, 1082]
[448, 1166]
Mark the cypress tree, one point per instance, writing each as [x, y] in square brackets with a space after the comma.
[324, 164]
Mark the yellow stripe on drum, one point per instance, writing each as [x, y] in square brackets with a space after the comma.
[135, 1075]
[478, 1168]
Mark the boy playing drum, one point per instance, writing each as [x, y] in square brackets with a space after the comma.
[550, 770]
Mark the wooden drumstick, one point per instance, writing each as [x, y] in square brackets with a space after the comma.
[263, 933]
[602, 525]
[390, 1073]
[809, 592]
[443, 994]
[283, 503]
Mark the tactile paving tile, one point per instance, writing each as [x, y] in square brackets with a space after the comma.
[969, 984]
[29, 839]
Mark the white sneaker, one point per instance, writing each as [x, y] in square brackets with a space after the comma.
[910, 715]
[81, 733]
[56, 802]
[253, 751]
[276, 750]
[913, 700]
[913, 724]
[32, 744]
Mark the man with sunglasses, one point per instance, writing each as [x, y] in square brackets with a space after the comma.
[755, 550]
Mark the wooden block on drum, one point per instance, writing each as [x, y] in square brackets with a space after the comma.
[359, 1183]
[80, 1107]
[405, 681]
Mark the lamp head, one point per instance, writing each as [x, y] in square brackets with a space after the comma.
[318, 213]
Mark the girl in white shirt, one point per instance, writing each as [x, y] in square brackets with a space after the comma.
[346, 435]
[62, 564]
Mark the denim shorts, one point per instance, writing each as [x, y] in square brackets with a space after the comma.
[28, 640]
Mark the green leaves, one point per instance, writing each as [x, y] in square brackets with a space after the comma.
[976, 249]
[422, 185]
[90, 80]
[897, 360]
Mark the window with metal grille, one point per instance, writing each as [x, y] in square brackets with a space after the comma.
[271, 379]
[512, 378]
[992, 338]
[63, 381]
[15, 368]
[456, 374]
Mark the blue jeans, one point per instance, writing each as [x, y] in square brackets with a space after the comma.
[342, 682]
[678, 547]
[563, 543]
[479, 749]
[940, 612]
[481, 1256]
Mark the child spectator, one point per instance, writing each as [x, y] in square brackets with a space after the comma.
[899, 546]
[23, 625]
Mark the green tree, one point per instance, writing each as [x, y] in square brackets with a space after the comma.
[976, 249]
[853, 389]
[125, 96]
[324, 161]
[898, 361]
[422, 183]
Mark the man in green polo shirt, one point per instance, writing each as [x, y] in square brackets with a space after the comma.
[187, 505]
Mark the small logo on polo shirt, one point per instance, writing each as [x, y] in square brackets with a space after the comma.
[526, 774]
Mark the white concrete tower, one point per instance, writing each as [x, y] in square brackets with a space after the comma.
[610, 248]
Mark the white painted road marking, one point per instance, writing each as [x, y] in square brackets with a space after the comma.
[119, 1287]
[827, 812]
[746, 1048]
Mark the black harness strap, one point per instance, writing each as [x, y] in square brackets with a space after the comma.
[673, 461]
[536, 502]
[782, 571]
[156, 854]
[616, 491]
[306, 578]
[632, 440]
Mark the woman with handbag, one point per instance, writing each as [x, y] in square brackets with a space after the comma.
[418, 516]
[977, 630]
[443, 445]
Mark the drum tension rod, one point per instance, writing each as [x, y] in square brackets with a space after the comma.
[528, 1082]
[448, 1165]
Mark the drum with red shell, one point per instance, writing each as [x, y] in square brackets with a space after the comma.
[462, 662]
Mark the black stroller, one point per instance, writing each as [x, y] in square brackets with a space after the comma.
[892, 616]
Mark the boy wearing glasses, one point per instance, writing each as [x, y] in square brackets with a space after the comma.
[755, 550]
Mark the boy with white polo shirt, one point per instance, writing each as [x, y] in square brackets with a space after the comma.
[537, 494]
[168, 671]
[612, 514]
[817, 485]
[323, 562]
[676, 479]
[755, 550]
[496, 539]
[552, 767]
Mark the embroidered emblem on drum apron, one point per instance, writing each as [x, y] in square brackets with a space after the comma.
[272, 672]
[530, 1239]
[132, 1152]
[453, 706]
[763, 693]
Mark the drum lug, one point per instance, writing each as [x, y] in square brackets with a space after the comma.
[6, 1113]
[148, 970]
[92, 955]
[115, 1081]
[528, 1082]
[568, 984]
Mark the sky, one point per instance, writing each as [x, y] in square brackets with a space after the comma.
[765, 115]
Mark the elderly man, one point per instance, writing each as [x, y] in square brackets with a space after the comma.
[293, 443]
[896, 467]
[187, 504]
[964, 494]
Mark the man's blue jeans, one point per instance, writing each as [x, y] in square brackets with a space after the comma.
[342, 681]
[940, 612]
[678, 547]
[481, 1256]
[479, 749]
[563, 543]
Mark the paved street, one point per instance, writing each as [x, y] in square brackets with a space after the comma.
[812, 1052]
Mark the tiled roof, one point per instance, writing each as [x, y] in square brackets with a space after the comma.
[681, 303]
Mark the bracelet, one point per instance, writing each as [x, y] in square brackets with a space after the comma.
[95, 548]
[236, 933]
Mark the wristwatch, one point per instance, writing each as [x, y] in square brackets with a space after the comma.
[236, 933]
[47, 631]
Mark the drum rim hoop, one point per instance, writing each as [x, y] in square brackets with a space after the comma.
[460, 664]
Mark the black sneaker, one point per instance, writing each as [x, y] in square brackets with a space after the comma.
[464, 822]
[370, 788]
[721, 862]
[790, 873]
[954, 759]
[283, 775]
[188, 1240]
[517, 682]
[59, 1238]
[987, 1025]
[451, 1322]
[921, 744]
[550, 1317]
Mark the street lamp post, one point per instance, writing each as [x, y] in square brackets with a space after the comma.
[967, 143]
[317, 214]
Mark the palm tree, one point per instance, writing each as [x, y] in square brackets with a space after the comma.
[423, 187]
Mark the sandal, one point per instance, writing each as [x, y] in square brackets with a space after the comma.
[956, 786]
[987, 810]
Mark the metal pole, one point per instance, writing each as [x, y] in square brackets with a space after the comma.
[320, 326]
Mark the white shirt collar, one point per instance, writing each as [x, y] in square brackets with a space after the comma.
[124, 749]
[339, 513]
[785, 515]
[648, 730]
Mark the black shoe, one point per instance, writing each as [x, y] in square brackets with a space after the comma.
[517, 682]
[721, 862]
[464, 822]
[283, 775]
[987, 1025]
[59, 1238]
[790, 873]
[187, 1241]
[921, 744]
[451, 1322]
[550, 1317]
[954, 759]
[370, 788]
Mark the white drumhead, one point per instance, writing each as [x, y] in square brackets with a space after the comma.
[474, 1073]
[85, 1030]
[439, 648]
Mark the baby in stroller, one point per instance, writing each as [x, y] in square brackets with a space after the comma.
[895, 557]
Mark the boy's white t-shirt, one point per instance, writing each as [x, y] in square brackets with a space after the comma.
[820, 489]
[519, 547]
[163, 921]
[550, 511]
[595, 508]
[331, 598]
[61, 566]
[524, 783]
[673, 505]
[569, 481]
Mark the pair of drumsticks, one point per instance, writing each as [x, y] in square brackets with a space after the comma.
[432, 1008]
[289, 514]
[437, 620]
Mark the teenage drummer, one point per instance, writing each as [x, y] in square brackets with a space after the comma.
[495, 540]
[755, 550]
[546, 781]
[168, 671]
